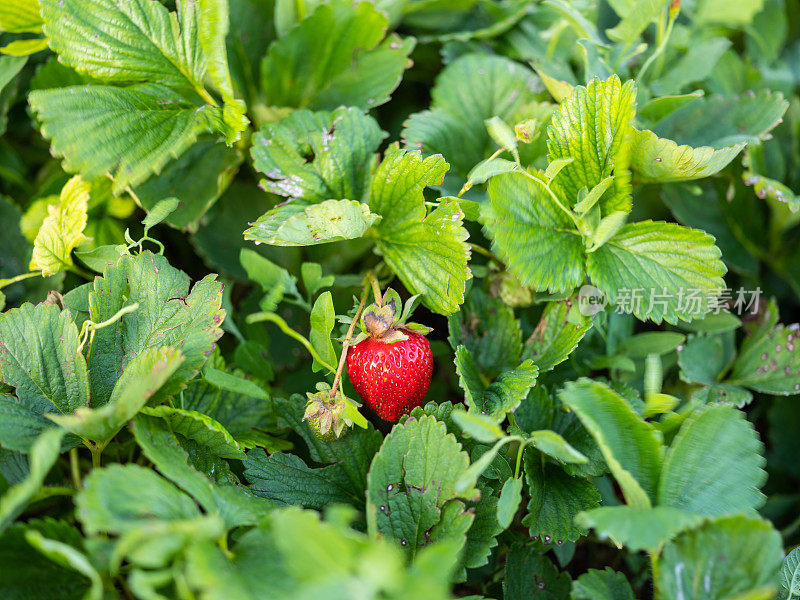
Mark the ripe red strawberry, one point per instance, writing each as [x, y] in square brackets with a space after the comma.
[392, 377]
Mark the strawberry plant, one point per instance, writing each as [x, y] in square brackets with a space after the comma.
[390, 299]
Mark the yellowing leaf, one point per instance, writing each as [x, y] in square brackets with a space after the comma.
[62, 229]
[427, 251]
[591, 127]
[24, 47]
[20, 16]
[702, 137]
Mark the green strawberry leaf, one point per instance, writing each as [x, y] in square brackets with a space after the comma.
[213, 27]
[316, 156]
[481, 173]
[482, 534]
[703, 357]
[634, 18]
[749, 547]
[24, 47]
[131, 42]
[351, 453]
[204, 430]
[40, 359]
[510, 499]
[499, 397]
[658, 159]
[704, 136]
[489, 330]
[631, 447]
[731, 481]
[411, 487]
[197, 179]
[275, 281]
[313, 279]
[142, 41]
[478, 426]
[160, 211]
[142, 378]
[768, 361]
[652, 268]
[724, 393]
[118, 498]
[76, 120]
[790, 574]
[660, 343]
[161, 446]
[233, 503]
[357, 66]
[27, 570]
[555, 337]
[169, 314]
[531, 234]
[232, 382]
[427, 251]
[308, 225]
[396, 190]
[555, 446]
[528, 573]
[601, 585]
[286, 479]
[555, 499]
[43, 455]
[638, 528]
[469, 91]
[323, 319]
[136, 42]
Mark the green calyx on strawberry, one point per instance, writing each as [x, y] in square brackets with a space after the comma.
[329, 416]
[390, 362]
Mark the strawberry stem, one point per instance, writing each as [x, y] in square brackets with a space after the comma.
[376, 289]
[369, 280]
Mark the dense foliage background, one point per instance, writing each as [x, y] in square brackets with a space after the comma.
[485, 158]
